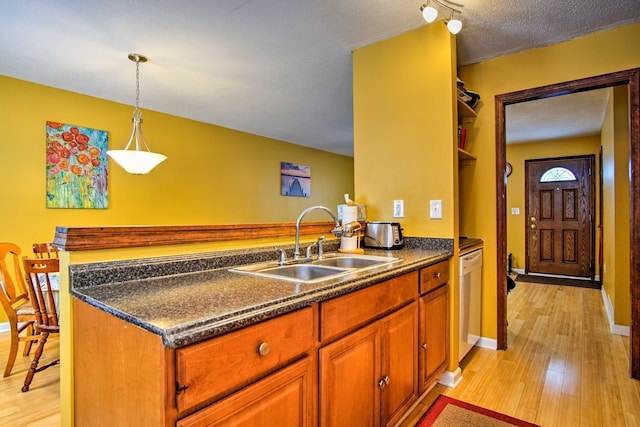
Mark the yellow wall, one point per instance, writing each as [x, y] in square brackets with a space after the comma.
[595, 54]
[615, 153]
[405, 137]
[213, 175]
[404, 129]
[516, 155]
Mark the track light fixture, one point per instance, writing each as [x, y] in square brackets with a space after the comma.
[430, 13]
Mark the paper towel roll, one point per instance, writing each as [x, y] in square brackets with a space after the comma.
[349, 214]
[349, 243]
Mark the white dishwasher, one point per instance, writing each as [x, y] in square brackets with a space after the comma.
[470, 300]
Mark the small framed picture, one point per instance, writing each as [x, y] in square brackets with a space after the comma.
[295, 180]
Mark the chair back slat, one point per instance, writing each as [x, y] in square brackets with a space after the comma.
[38, 273]
[45, 250]
[11, 273]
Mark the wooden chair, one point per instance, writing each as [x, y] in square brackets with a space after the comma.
[38, 272]
[15, 301]
[45, 250]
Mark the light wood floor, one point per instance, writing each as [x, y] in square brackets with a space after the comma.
[40, 406]
[562, 368]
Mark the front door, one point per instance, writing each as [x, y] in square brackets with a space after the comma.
[560, 210]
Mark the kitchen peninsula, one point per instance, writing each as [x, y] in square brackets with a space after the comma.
[181, 340]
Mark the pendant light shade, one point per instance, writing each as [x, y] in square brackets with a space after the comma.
[136, 158]
[454, 25]
[429, 13]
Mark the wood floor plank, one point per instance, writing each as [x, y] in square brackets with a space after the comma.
[40, 406]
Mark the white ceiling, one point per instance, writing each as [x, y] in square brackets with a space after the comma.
[276, 68]
[565, 116]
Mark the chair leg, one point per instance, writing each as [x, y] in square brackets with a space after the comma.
[13, 350]
[29, 342]
[34, 363]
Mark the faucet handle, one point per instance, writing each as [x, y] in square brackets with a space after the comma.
[308, 256]
[283, 256]
[319, 242]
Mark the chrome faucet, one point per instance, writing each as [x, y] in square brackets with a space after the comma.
[317, 243]
[337, 231]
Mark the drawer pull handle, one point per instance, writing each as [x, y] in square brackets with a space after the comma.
[264, 349]
[436, 275]
[424, 346]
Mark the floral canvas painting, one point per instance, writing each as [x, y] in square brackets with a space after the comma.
[76, 167]
[295, 180]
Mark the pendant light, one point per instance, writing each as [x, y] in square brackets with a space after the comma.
[454, 25]
[429, 13]
[138, 160]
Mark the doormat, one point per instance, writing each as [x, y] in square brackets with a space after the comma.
[558, 281]
[449, 412]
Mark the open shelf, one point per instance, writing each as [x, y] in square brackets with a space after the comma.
[464, 110]
[465, 155]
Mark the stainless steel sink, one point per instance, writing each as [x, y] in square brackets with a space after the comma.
[332, 266]
[348, 261]
[300, 272]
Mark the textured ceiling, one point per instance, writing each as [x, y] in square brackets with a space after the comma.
[566, 116]
[277, 68]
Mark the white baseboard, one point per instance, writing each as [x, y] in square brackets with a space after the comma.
[615, 329]
[451, 379]
[489, 343]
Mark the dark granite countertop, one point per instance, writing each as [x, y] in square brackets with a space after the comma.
[185, 299]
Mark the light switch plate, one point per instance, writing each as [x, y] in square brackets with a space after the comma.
[435, 209]
[398, 208]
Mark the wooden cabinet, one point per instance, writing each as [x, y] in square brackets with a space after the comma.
[284, 398]
[125, 375]
[434, 323]
[356, 359]
[368, 377]
[211, 369]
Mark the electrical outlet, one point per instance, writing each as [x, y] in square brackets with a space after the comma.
[435, 209]
[398, 208]
[515, 211]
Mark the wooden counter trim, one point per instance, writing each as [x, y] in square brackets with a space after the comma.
[93, 238]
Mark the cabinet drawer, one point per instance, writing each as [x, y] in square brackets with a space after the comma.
[347, 312]
[284, 398]
[216, 367]
[433, 276]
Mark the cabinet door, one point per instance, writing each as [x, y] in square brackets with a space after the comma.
[399, 363]
[434, 335]
[349, 372]
[284, 398]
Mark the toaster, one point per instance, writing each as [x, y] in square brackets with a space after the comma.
[383, 235]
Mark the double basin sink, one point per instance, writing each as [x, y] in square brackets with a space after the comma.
[329, 267]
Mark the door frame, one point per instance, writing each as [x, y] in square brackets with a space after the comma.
[592, 207]
[627, 77]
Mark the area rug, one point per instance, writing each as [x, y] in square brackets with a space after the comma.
[546, 280]
[449, 412]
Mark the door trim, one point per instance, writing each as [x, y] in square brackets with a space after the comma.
[630, 77]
